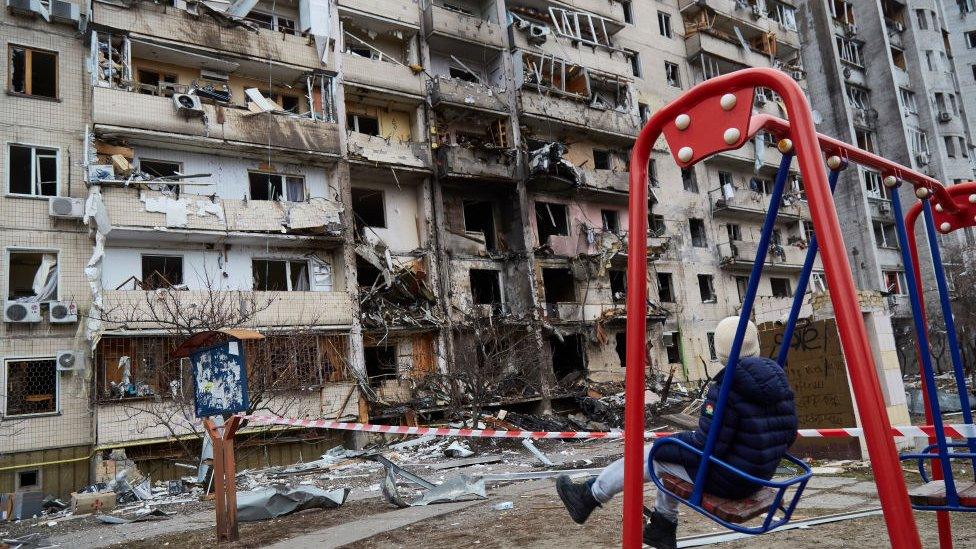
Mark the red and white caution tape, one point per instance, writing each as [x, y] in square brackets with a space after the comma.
[921, 431]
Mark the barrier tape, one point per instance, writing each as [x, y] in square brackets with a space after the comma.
[920, 431]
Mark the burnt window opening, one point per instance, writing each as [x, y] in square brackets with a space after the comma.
[361, 123]
[655, 225]
[381, 363]
[710, 338]
[279, 275]
[618, 284]
[463, 74]
[734, 231]
[33, 72]
[32, 170]
[486, 286]
[368, 207]
[601, 159]
[161, 271]
[479, 217]
[161, 168]
[32, 275]
[30, 478]
[781, 287]
[366, 273]
[273, 186]
[689, 180]
[699, 239]
[741, 283]
[32, 387]
[672, 347]
[665, 287]
[706, 288]
[558, 285]
[290, 103]
[620, 343]
[611, 220]
[568, 363]
[551, 220]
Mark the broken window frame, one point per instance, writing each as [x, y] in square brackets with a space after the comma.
[665, 287]
[618, 284]
[33, 297]
[895, 282]
[290, 26]
[672, 74]
[842, 11]
[359, 220]
[610, 220]
[326, 87]
[873, 184]
[152, 282]
[849, 51]
[124, 59]
[286, 183]
[353, 120]
[38, 153]
[290, 276]
[672, 350]
[656, 227]
[536, 65]
[48, 363]
[500, 298]
[700, 241]
[734, 232]
[706, 288]
[582, 27]
[28, 68]
[177, 169]
[557, 228]
[783, 14]
[779, 286]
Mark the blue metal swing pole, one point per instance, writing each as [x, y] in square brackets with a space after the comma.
[952, 497]
[723, 395]
[801, 286]
[950, 322]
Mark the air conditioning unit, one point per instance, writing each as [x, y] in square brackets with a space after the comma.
[21, 312]
[65, 207]
[62, 312]
[883, 207]
[945, 117]
[187, 104]
[538, 34]
[64, 12]
[68, 361]
[20, 7]
[851, 29]
[922, 158]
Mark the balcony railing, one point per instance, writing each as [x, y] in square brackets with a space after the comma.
[406, 13]
[579, 115]
[454, 24]
[755, 204]
[388, 151]
[741, 255]
[381, 75]
[880, 208]
[470, 95]
[484, 164]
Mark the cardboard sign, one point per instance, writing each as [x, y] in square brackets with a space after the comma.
[817, 373]
[219, 379]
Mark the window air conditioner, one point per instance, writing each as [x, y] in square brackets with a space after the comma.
[65, 207]
[64, 12]
[68, 361]
[62, 312]
[945, 117]
[21, 312]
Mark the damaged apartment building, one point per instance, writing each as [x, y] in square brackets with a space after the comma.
[395, 193]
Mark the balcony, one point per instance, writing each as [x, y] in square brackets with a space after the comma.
[572, 311]
[444, 23]
[155, 119]
[610, 9]
[600, 60]
[703, 43]
[899, 306]
[403, 12]
[880, 208]
[729, 13]
[609, 180]
[578, 115]
[388, 151]
[741, 255]
[469, 95]
[750, 204]
[480, 164]
[169, 25]
[381, 75]
[270, 309]
[137, 212]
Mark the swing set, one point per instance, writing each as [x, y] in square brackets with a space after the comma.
[716, 116]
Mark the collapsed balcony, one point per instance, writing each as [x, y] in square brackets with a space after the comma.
[766, 29]
[156, 93]
[382, 130]
[381, 55]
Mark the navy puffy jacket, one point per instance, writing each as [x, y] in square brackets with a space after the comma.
[758, 426]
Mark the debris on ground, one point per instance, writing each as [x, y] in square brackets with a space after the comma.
[277, 501]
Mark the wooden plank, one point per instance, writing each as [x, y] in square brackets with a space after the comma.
[934, 493]
[731, 510]
[967, 495]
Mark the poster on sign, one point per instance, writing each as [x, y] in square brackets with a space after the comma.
[219, 379]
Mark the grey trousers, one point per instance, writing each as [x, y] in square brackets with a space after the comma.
[610, 482]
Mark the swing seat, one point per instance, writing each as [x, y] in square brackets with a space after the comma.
[770, 502]
[735, 511]
[933, 494]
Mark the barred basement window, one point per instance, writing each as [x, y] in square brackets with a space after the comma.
[32, 387]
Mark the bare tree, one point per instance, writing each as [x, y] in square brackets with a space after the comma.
[495, 362]
[959, 260]
[285, 370]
